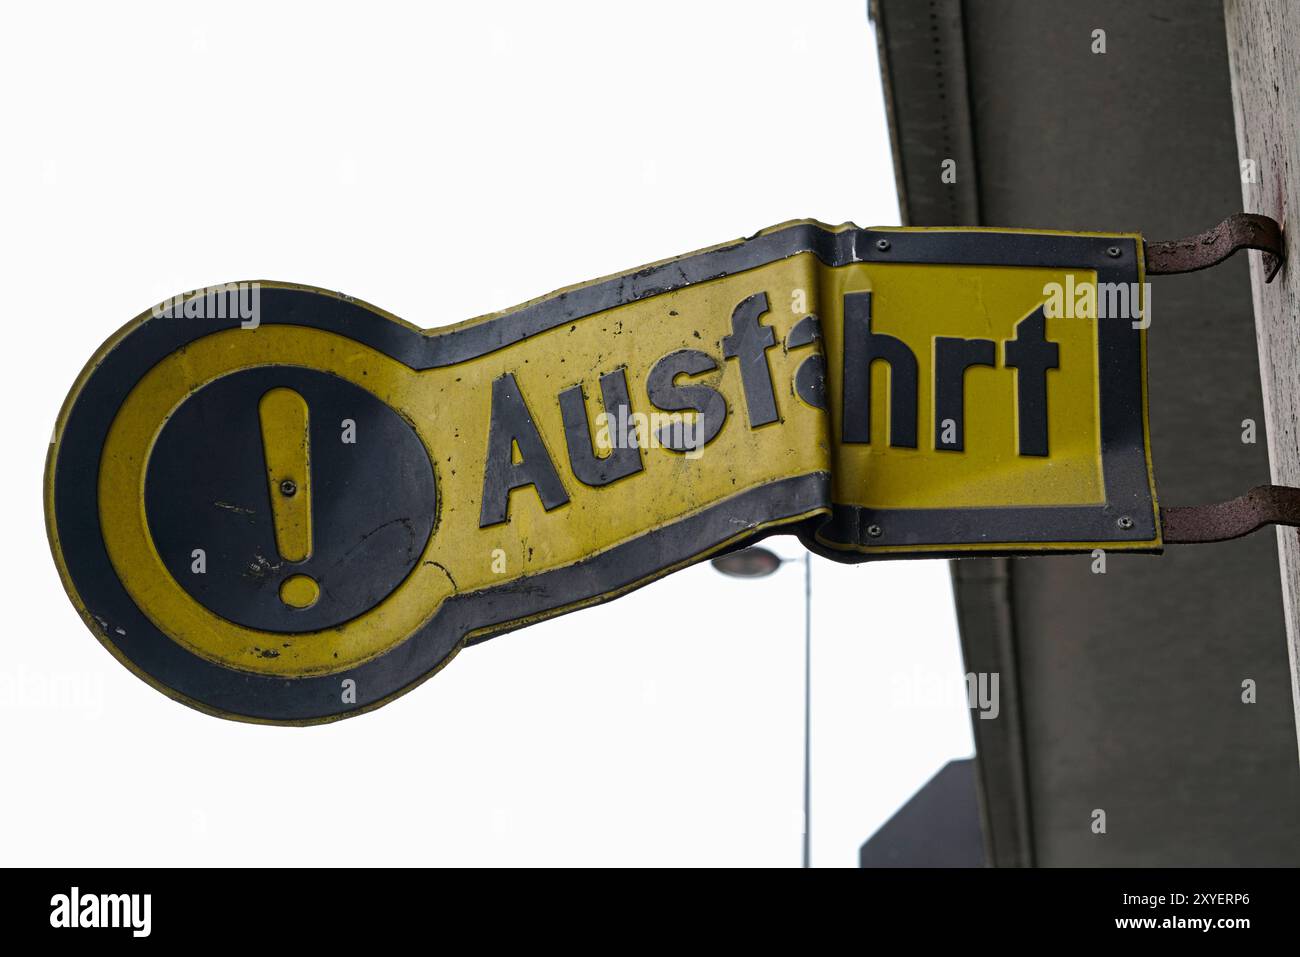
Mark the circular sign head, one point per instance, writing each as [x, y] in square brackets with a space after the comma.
[245, 512]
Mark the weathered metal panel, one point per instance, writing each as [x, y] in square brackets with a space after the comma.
[299, 513]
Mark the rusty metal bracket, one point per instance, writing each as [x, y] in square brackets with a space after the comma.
[1222, 521]
[1238, 231]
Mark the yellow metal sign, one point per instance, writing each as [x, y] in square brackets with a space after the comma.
[280, 504]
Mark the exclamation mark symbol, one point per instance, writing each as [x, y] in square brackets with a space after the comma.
[286, 442]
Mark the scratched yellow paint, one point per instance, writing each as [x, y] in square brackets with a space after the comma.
[286, 444]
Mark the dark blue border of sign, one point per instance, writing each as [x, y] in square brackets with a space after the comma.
[299, 700]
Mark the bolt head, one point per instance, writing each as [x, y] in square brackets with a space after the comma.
[875, 531]
[882, 244]
[1125, 522]
[1114, 252]
[288, 487]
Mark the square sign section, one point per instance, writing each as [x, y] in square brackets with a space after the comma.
[990, 392]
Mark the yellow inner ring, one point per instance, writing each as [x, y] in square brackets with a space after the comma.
[139, 565]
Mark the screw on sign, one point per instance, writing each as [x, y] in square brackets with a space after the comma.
[297, 512]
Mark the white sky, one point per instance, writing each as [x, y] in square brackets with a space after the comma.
[442, 164]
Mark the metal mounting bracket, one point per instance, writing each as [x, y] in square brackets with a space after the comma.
[1222, 521]
[1238, 231]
